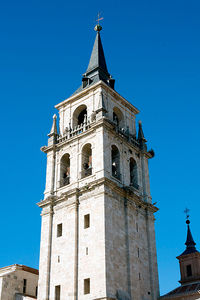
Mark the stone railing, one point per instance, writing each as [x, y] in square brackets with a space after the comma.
[134, 185]
[116, 175]
[125, 134]
[71, 132]
[65, 181]
[86, 173]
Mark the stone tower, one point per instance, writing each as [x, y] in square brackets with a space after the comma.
[97, 236]
[189, 262]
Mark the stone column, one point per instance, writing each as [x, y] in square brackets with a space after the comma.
[45, 254]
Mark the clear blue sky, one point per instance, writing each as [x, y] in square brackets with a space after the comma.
[152, 49]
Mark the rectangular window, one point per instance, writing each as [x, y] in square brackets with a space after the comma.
[24, 286]
[86, 221]
[57, 292]
[59, 230]
[86, 250]
[87, 286]
[189, 270]
[138, 252]
[36, 291]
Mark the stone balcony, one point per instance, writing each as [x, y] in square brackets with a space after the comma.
[86, 173]
[65, 181]
[72, 132]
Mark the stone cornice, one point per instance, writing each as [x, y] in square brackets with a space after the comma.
[104, 121]
[93, 87]
[188, 256]
[47, 201]
[130, 195]
[57, 146]
[122, 191]
[15, 267]
[111, 128]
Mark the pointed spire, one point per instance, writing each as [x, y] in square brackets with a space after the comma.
[97, 59]
[141, 139]
[101, 111]
[54, 126]
[140, 132]
[190, 244]
[97, 68]
[101, 104]
[53, 135]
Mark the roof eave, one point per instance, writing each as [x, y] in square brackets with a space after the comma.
[88, 89]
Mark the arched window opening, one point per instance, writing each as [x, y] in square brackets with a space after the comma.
[115, 118]
[80, 115]
[115, 156]
[65, 170]
[86, 160]
[133, 173]
[118, 117]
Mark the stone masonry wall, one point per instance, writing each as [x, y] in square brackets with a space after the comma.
[127, 257]
[91, 261]
[13, 283]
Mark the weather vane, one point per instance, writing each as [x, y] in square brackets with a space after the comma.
[98, 26]
[186, 211]
[98, 18]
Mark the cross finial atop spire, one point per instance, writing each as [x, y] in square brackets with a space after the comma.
[97, 68]
[186, 211]
[190, 244]
[98, 26]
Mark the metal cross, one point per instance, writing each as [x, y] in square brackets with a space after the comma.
[98, 18]
[186, 211]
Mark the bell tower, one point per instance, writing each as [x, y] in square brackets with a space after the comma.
[189, 260]
[97, 235]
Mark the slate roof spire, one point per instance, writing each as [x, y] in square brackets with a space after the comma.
[97, 59]
[97, 68]
[190, 243]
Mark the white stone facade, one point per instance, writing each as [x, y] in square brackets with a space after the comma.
[18, 282]
[117, 252]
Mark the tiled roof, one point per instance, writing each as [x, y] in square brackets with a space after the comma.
[188, 289]
[18, 267]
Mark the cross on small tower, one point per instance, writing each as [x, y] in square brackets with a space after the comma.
[186, 211]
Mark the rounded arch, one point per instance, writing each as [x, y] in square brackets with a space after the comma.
[87, 142]
[65, 169]
[115, 159]
[133, 173]
[79, 114]
[86, 160]
[118, 116]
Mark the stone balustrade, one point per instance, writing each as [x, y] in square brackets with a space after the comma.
[86, 172]
[71, 132]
